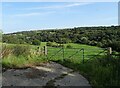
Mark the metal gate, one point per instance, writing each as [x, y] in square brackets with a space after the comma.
[56, 53]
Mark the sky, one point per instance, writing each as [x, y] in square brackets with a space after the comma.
[25, 16]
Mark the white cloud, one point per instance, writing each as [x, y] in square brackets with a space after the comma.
[48, 7]
[59, 6]
[33, 14]
[28, 14]
[77, 4]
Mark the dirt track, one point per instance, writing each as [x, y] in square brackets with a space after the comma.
[47, 74]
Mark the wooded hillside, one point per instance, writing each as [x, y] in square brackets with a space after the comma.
[95, 36]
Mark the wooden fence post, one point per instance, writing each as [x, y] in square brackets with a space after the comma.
[38, 50]
[45, 50]
[63, 53]
[83, 56]
[41, 50]
[109, 50]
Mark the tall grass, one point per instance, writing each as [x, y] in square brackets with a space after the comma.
[21, 50]
[102, 72]
[21, 62]
[20, 56]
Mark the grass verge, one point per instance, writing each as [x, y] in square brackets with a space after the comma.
[101, 72]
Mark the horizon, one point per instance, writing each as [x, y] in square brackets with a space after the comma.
[59, 28]
[24, 16]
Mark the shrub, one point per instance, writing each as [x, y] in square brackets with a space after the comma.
[69, 46]
[49, 43]
[99, 44]
[53, 44]
[21, 50]
[115, 46]
[60, 45]
[36, 42]
[84, 40]
[93, 43]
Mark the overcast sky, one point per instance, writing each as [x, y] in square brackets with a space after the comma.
[22, 16]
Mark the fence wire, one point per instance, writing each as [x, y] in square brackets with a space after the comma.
[73, 54]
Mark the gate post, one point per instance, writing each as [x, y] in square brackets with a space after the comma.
[109, 50]
[45, 50]
[83, 56]
[63, 52]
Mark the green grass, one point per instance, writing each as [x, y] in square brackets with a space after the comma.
[21, 62]
[53, 54]
[89, 52]
[100, 71]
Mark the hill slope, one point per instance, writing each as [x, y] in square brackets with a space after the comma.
[95, 36]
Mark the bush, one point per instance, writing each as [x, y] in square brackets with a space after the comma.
[115, 46]
[84, 40]
[93, 43]
[60, 45]
[21, 50]
[53, 44]
[99, 44]
[36, 42]
[49, 44]
[69, 46]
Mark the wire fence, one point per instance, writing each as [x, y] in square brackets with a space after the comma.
[74, 54]
[85, 56]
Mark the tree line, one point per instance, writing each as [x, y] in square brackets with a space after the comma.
[96, 36]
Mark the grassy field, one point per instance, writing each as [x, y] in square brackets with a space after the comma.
[74, 54]
[102, 71]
